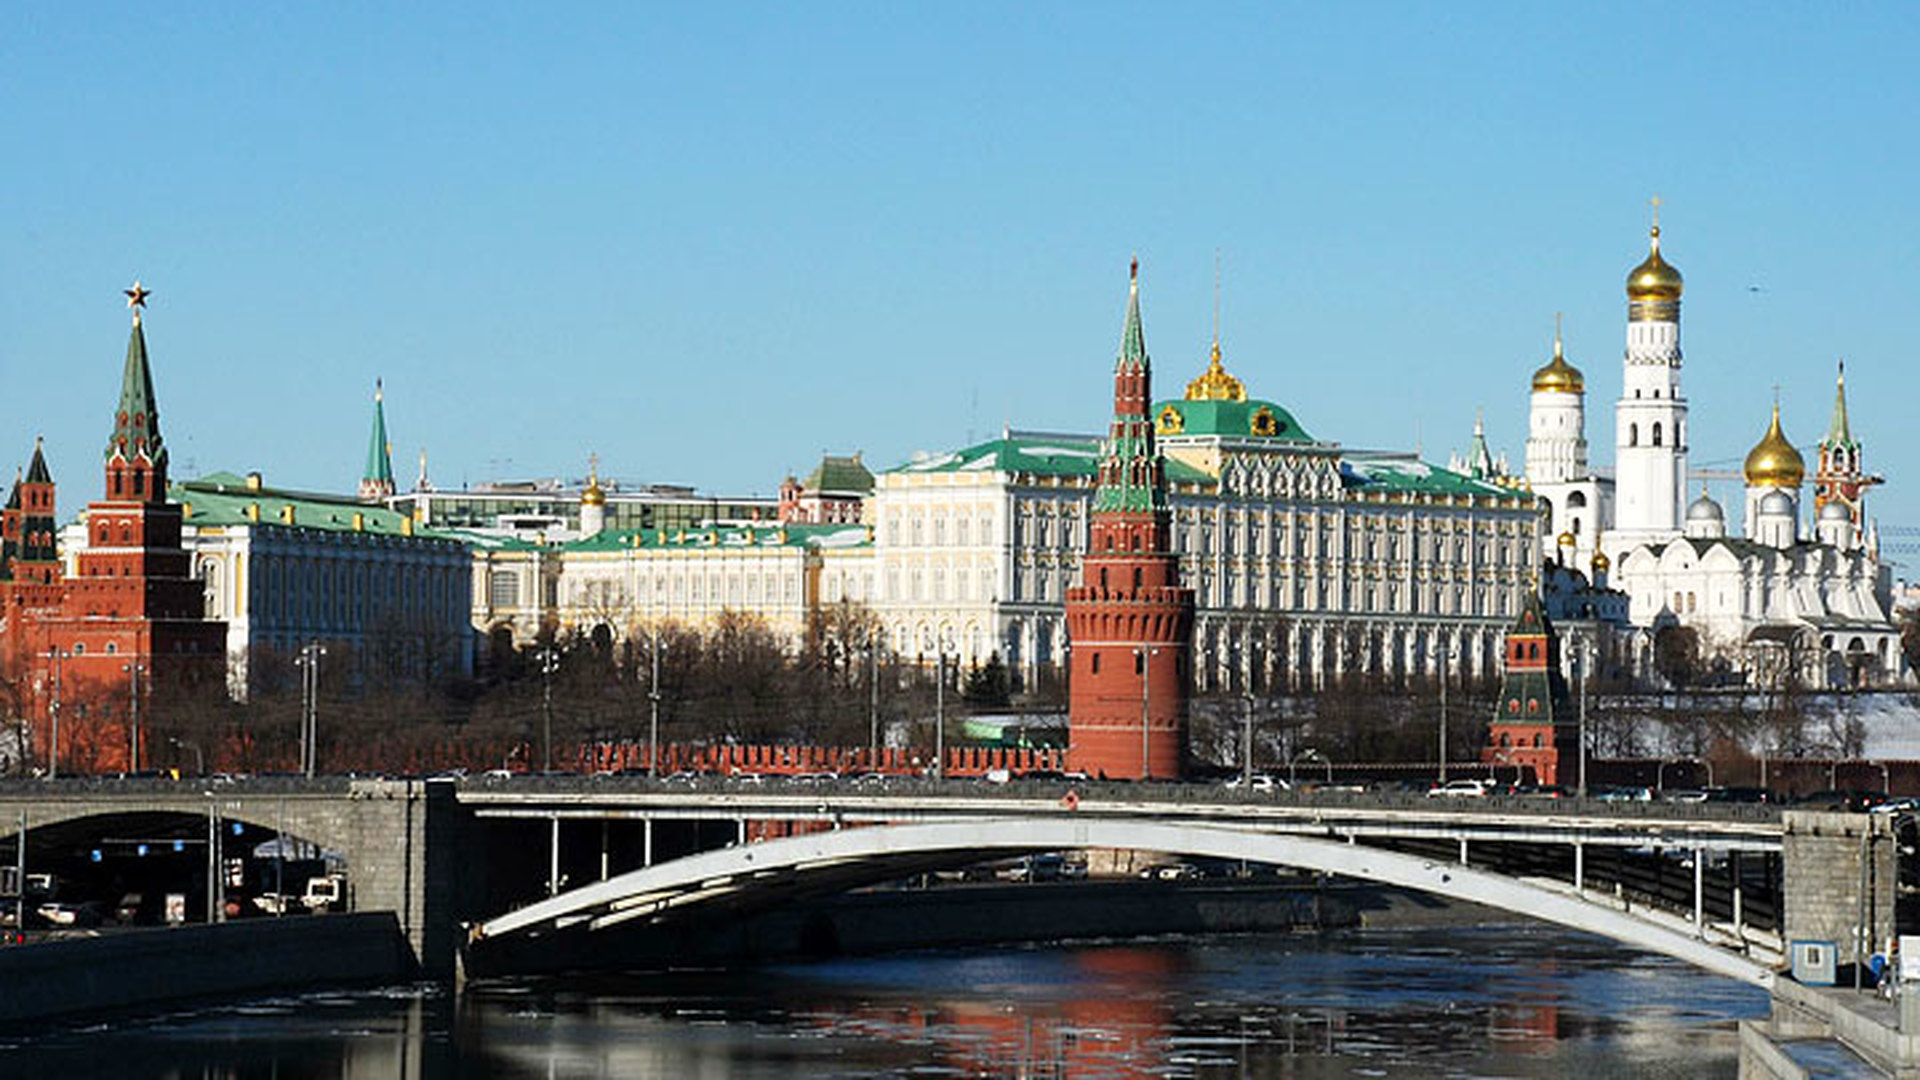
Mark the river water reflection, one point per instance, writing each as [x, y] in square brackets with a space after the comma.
[1518, 1001]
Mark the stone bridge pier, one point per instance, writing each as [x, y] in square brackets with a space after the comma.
[1842, 877]
[403, 840]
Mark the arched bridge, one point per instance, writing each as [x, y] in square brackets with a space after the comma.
[1414, 844]
[552, 863]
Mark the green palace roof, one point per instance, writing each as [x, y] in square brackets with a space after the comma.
[840, 474]
[742, 536]
[1246, 419]
[1368, 473]
[224, 499]
[1036, 455]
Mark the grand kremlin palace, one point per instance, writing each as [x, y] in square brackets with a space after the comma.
[1308, 560]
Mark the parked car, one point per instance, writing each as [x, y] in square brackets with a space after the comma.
[78, 916]
[1623, 794]
[1688, 795]
[1739, 795]
[1261, 783]
[132, 909]
[1459, 789]
[1851, 802]
[1171, 872]
[1543, 791]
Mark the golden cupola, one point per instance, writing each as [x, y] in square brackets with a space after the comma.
[1215, 384]
[594, 495]
[1654, 287]
[1774, 462]
[1558, 375]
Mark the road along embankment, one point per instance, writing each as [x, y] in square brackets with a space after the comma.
[141, 969]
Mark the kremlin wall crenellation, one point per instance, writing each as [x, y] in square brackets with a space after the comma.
[1202, 543]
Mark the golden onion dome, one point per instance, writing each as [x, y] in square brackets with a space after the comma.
[1566, 539]
[594, 495]
[1774, 462]
[1654, 278]
[1215, 384]
[1558, 375]
[1601, 562]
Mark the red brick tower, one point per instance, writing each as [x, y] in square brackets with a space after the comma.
[1129, 621]
[1530, 728]
[134, 617]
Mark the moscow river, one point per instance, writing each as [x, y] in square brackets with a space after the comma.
[1509, 1001]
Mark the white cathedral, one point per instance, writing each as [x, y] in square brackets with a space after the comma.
[1778, 597]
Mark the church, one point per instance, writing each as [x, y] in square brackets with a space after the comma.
[1779, 597]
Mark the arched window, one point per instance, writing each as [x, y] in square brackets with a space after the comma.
[1656, 433]
[1096, 663]
[1633, 434]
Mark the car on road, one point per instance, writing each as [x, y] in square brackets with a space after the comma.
[1623, 794]
[1460, 789]
[70, 915]
[1261, 783]
[1180, 871]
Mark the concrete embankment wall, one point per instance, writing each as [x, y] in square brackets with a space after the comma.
[149, 968]
[966, 916]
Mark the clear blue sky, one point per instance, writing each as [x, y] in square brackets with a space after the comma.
[711, 241]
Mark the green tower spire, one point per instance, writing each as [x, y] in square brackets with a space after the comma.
[136, 423]
[1132, 477]
[376, 480]
[1839, 433]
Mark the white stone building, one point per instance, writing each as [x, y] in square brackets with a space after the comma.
[1821, 591]
[284, 569]
[1308, 561]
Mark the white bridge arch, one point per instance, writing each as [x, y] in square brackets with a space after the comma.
[849, 857]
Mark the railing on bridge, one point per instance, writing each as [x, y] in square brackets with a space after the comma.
[788, 760]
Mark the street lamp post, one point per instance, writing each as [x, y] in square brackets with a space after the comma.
[940, 714]
[133, 671]
[309, 661]
[653, 705]
[549, 663]
[1145, 653]
[1446, 656]
[1585, 659]
[1246, 748]
[53, 716]
[873, 700]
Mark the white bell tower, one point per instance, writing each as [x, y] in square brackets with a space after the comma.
[1650, 420]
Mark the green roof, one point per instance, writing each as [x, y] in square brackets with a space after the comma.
[1406, 474]
[742, 536]
[222, 499]
[846, 475]
[1037, 455]
[1248, 419]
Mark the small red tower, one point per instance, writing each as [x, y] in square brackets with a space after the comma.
[1529, 729]
[1128, 621]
